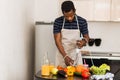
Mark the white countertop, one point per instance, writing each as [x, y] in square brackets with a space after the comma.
[102, 55]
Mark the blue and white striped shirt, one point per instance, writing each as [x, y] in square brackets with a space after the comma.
[83, 26]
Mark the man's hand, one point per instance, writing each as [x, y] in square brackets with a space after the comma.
[81, 43]
[68, 61]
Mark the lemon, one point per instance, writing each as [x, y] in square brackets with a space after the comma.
[54, 71]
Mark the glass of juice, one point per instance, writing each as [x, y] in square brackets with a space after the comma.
[45, 70]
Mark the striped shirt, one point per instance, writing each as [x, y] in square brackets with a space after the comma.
[70, 25]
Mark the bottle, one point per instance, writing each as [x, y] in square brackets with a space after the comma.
[45, 71]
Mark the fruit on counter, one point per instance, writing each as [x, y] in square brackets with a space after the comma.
[101, 70]
[82, 71]
[70, 70]
[60, 67]
[94, 69]
[62, 73]
[65, 69]
[81, 68]
[71, 67]
[54, 71]
[85, 74]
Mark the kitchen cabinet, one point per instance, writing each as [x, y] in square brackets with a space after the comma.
[98, 10]
[115, 10]
[85, 8]
[93, 10]
[101, 10]
[107, 10]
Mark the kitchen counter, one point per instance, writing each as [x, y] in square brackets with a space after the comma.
[44, 23]
[39, 77]
[102, 55]
[112, 59]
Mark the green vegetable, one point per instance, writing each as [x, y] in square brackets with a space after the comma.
[101, 70]
[77, 73]
[105, 66]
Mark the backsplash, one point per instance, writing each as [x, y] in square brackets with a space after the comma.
[108, 32]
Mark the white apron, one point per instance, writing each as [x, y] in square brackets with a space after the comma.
[69, 38]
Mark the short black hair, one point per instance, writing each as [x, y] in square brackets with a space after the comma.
[67, 6]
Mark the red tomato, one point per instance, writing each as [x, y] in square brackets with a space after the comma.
[85, 74]
[86, 69]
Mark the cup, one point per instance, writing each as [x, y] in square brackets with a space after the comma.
[98, 41]
[91, 41]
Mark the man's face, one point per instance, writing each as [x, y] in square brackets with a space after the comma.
[69, 15]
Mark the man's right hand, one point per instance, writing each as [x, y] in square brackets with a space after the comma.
[68, 61]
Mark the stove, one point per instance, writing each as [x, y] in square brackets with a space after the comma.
[110, 58]
[102, 55]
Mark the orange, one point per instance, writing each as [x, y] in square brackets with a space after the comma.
[60, 67]
[79, 68]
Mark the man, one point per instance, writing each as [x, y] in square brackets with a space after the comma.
[67, 31]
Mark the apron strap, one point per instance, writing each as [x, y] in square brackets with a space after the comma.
[77, 24]
[63, 23]
[76, 20]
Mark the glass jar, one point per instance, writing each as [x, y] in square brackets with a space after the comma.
[45, 70]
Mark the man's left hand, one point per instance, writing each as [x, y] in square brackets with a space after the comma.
[81, 43]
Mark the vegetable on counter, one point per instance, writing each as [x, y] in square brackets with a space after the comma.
[62, 73]
[85, 74]
[82, 71]
[101, 70]
[71, 71]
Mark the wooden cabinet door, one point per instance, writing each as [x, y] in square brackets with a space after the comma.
[115, 10]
